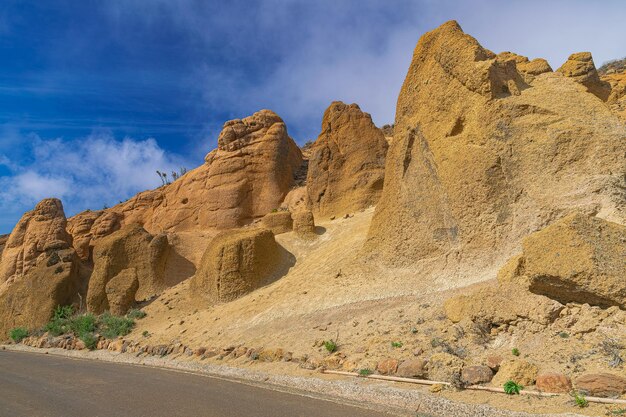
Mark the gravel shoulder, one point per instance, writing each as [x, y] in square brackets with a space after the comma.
[392, 398]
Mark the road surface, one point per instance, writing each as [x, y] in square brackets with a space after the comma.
[36, 385]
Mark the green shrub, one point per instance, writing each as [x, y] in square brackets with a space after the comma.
[396, 344]
[18, 334]
[114, 326]
[145, 333]
[515, 351]
[365, 372]
[136, 314]
[564, 335]
[330, 346]
[85, 323]
[511, 387]
[89, 339]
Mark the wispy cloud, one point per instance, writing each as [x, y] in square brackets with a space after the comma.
[88, 172]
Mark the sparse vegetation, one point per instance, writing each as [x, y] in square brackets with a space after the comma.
[145, 333]
[114, 326]
[18, 334]
[86, 326]
[365, 372]
[564, 335]
[164, 176]
[330, 345]
[580, 400]
[512, 387]
[396, 344]
[136, 314]
[515, 351]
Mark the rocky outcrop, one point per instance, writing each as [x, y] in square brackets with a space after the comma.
[579, 259]
[38, 232]
[528, 69]
[38, 268]
[517, 370]
[481, 158]
[127, 255]
[3, 241]
[87, 227]
[235, 263]
[580, 68]
[502, 304]
[614, 73]
[346, 168]
[304, 223]
[278, 222]
[246, 177]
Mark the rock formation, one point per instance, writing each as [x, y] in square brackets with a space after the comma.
[3, 241]
[38, 268]
[614, 73]
[482, 156]
[579, 259]
[235, 263]
[278, 222]
[246, 177]
[580, 68]
[128, 255]
[304, 223]
[347, 163]
[528, 69]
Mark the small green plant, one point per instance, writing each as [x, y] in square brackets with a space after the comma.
[512, 387]
[114, 326]
[515, 351]
[365, 372]
[89, 339]
[580, 400]
[136, 314]
[18, 334]
[396, 344]
[619, 412]
[62, 312]
[564, 335]
[330, 346]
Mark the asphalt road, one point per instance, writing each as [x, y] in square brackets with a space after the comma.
[33, 385]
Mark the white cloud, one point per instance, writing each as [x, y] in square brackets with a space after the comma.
[89, 172]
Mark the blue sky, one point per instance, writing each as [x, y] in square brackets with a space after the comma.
[97, 95]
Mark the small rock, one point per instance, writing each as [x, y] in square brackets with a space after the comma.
[387, 366]
[436, 388]
[554, 382]
[412, 368]
[445, 367]
[519, 371]
[477, 374]
[494, 362]
[602, 385]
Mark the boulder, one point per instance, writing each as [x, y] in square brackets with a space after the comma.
[493, 362]
[517, 370]
[387, 366]
[412, 368]
[304, 223]
[602, 385]
[278, 222]
[576, 259]
[476, 374]
[481, 158]
[554, 382]
[502, 304]
[580, 68]
[235, 263]
[128, 254]
[445, 367]
[39, 270]
[347, 163]
[528, 69]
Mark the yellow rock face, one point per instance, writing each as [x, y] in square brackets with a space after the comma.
[481, 158]
[347, 162]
